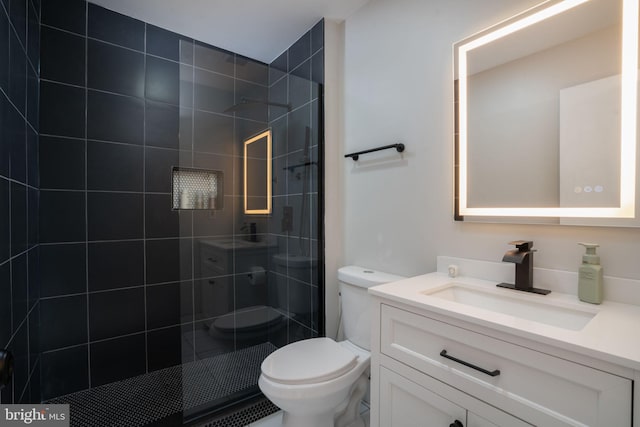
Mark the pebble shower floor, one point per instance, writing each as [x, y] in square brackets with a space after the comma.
[148, 398]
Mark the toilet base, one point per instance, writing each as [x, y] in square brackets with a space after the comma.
[290, 420]
[293, 420]
[347, 416]
[350, 416]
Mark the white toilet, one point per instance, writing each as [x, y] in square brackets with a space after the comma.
[319, 382]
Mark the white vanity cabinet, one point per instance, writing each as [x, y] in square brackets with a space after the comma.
[431, 370]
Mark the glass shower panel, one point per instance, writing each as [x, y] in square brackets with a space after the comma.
[228, 338]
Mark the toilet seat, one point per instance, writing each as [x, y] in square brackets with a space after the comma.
[309, 361]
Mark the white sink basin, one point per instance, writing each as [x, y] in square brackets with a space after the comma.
[525, 306]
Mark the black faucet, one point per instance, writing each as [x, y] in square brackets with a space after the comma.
[522, 256]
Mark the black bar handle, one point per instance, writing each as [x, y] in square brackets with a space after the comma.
[495, 373]
[355, 156]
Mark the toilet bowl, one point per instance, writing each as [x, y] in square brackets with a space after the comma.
[319, 382]
[312, 399]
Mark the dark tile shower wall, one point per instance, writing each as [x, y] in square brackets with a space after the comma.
[296, 264]
[19, 286]
[125, 290]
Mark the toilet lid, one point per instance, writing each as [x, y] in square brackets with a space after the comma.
[308, 362]
[248, 318]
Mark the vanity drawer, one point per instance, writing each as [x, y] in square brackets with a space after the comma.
[214, 259]
[541, 389]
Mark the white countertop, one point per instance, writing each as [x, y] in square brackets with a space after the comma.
[613, 335]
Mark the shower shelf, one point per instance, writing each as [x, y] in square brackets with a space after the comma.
[197, 189]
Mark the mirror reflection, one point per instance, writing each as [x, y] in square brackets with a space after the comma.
[257, 174]
[546, 105]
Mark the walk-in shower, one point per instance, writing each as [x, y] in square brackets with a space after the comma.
[133, 284]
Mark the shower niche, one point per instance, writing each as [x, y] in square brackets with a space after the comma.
[197, 189]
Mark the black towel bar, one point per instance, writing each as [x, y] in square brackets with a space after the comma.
[356, 156]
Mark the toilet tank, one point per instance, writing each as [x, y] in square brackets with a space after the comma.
[355, 301]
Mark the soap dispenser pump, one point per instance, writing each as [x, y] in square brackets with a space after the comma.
[590, 276]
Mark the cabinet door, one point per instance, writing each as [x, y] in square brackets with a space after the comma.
[405, 404]
[474, 420]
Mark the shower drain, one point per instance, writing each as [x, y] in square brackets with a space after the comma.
[244, 416]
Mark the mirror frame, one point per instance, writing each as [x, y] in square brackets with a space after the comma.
[267, 210]
[628, 114]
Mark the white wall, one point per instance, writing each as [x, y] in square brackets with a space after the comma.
[398, 213]
[334, 191]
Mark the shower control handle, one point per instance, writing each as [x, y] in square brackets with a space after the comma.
[456, 423]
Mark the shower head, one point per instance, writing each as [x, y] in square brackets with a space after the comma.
[246, 103]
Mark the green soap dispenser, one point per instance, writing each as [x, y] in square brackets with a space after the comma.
[590, 275]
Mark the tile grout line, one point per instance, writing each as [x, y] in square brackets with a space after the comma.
[192, 158]
[233, 223]
[144, 204]
[117, 337]
[142, 98]
[27, 168]
[17, 110]
[205, 236]
[288, 115]
[179, 62]
[86, 186]
[13, 332]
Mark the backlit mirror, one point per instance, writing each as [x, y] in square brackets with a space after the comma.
[257, 174]
[546, 113]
